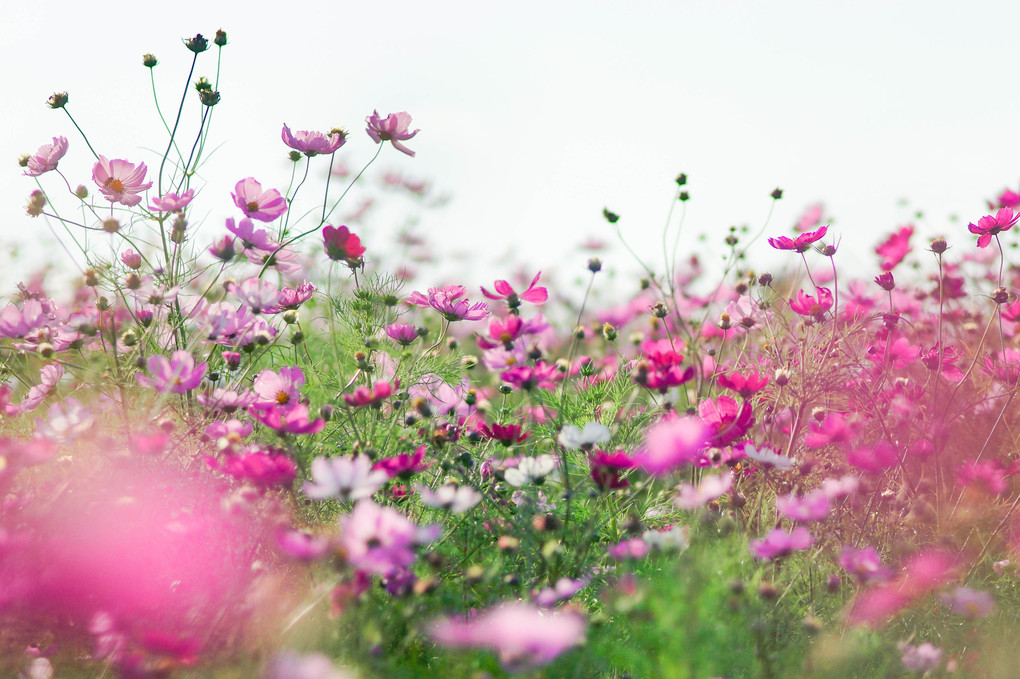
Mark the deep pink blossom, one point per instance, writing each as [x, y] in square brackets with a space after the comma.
[724, 419]
[171, 202]
[313, 143]
[535, 295]
[606, 469]
[986, 475]
[895, 247]
[120, 181]
[747, 384]
[402, 333]
[801, 243]
[262, 468]
[177, 375]
[991, 225]
[293, 420]
[922, 573]
[342, 245]
[779, 543]
[450, 302]
[265, 206]
[807, 305]
[403, 465]
[47, 157]
[542, 375]
[393, 128]
[506, 434]
[523, 635]
[370, 396]
[292, 298]
[671, 443]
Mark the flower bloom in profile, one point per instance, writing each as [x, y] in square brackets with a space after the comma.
[120, 181]
[344, 478]
[371, 396]
[573, 437]
[265, 206]
[392, 128]
[506, 434]
[342, 245]
[992, 225]
[524, 635]
[895, 248]
[450, 302]
[535, 295]
[176, 375]
[670, 444]
[779, 543]
[313, 143]
[607, 468]
[171, 202]
[47, 157]
[801, 243]
[404, 465]
[402, 333]
[807, 305]
[922, 658]
[746, 384]
[293, 420]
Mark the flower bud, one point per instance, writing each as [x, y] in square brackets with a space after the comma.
[82, 192]
[777, 193]
[232, 359]
[608, 332]
[684, 197]
[149, 60]
[1000, 296]
[611, 217]
[660, 310]
[111, 225]
[290, 316]
[220, 39]
[129, 338]
[294, 156]
[57, 100]
[594, 265]
[23, 160]
[886, 281]
[198, 44]
[132, 282]
[939, 245]
[45, 349]
[91, 278]
[203, 84]
[681, 179]
[209, 97]
[36, 203]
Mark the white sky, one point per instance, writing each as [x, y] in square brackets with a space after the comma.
[535, 115]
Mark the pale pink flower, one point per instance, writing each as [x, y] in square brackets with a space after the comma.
[380, 540]
[670, 444]
[249, 235]
[65, 421]
[48, 378]
[46, 158]
[392, 128]
[970, 603]
[131, 259]
[287, 420]
[522, 634]
[282, 388]
[448, 302]
[290, 665]
[120, 181]
[177, 375]
[711, 488]
[257, 293]
[171, 202]
[344, 478]
[813, 506]
[779, 543]
[313, 143]
[454, 498]
[265, 206]
[925, 657]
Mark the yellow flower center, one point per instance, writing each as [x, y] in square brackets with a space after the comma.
[115, 185]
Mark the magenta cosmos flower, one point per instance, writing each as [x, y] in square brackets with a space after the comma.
[177, 375]
[535, 295]
[779, 543]
[806, 305]
[171, 202]
[801, 243]
[46, 158]
[448, 302]
[991, 225]
[120, 181]
[255, 203]
[671, 443]
[392, 128]
[342, 245]
[523, 635]
[313, 143]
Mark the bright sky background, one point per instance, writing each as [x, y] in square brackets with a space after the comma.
[536, 115]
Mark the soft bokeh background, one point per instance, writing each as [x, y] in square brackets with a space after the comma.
[536, 115]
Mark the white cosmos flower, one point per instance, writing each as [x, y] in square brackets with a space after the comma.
[529, 470]
[457, 499]
[572, 437]
[345, 478]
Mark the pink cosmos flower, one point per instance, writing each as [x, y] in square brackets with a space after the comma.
[282, 388]
[131, 259]
[313, 143]
[724, 420]
[670, 444]
[392, 128]
[922, 658]
[970, 603]
[120, 181]
[370, 396]
[342, 245]
[806, 305]
[171, 202]
[294, 420]
[711, 488]
[402, 333]
[746, 384]
[380, 540]
[895, 248]
[779, 543]
[813, 506]
[535, 295]
[265, 206]
[403, 465]
[801, 243]
[922, 573]
[177, 375]
[454, 498]
[634, 548]
[344, 478]
[606, 469]
[226, 400]
[991, 225]
[448, 302]
[522, 634]
[249, 235]
[46, 158]
[292, 298]
[290, 665]
[864, 564]
[301, 545]
[542, 375]
[262, 468]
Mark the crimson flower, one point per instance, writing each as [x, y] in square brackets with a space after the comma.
[507, 434]
[120, 181]
[342, 245]
[313, 143]
[255, 203]
[991, 225]
[403, 465]
[801, 243]
[606, 469]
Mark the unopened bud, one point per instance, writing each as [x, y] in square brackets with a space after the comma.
[45, 349]
[1000, 296]
[220, 39]
[36, 203]
[777, 193]
[149, 60]
[611, 217]
[290, 316]
[111, 225]
[132, 282]
[57, 100]
[660, 310]
[594, 265]
[608, 332]
[82, 192]
[939, 245]
[129, 338]
[209, 97]
[23, 160]
[198, 44]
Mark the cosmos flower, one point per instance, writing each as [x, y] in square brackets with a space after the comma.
[120, 181]
[313, 143]
[46, 158]
[392, 128]
[265, 206]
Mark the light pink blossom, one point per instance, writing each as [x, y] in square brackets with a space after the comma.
[47, 157]
[392, 128]
[265, 206]
[171, 202]
[120, 181]
[313, 143]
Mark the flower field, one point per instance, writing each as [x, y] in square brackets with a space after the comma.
[264, 448]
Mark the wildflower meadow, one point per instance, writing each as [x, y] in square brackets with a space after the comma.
[274, 447]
